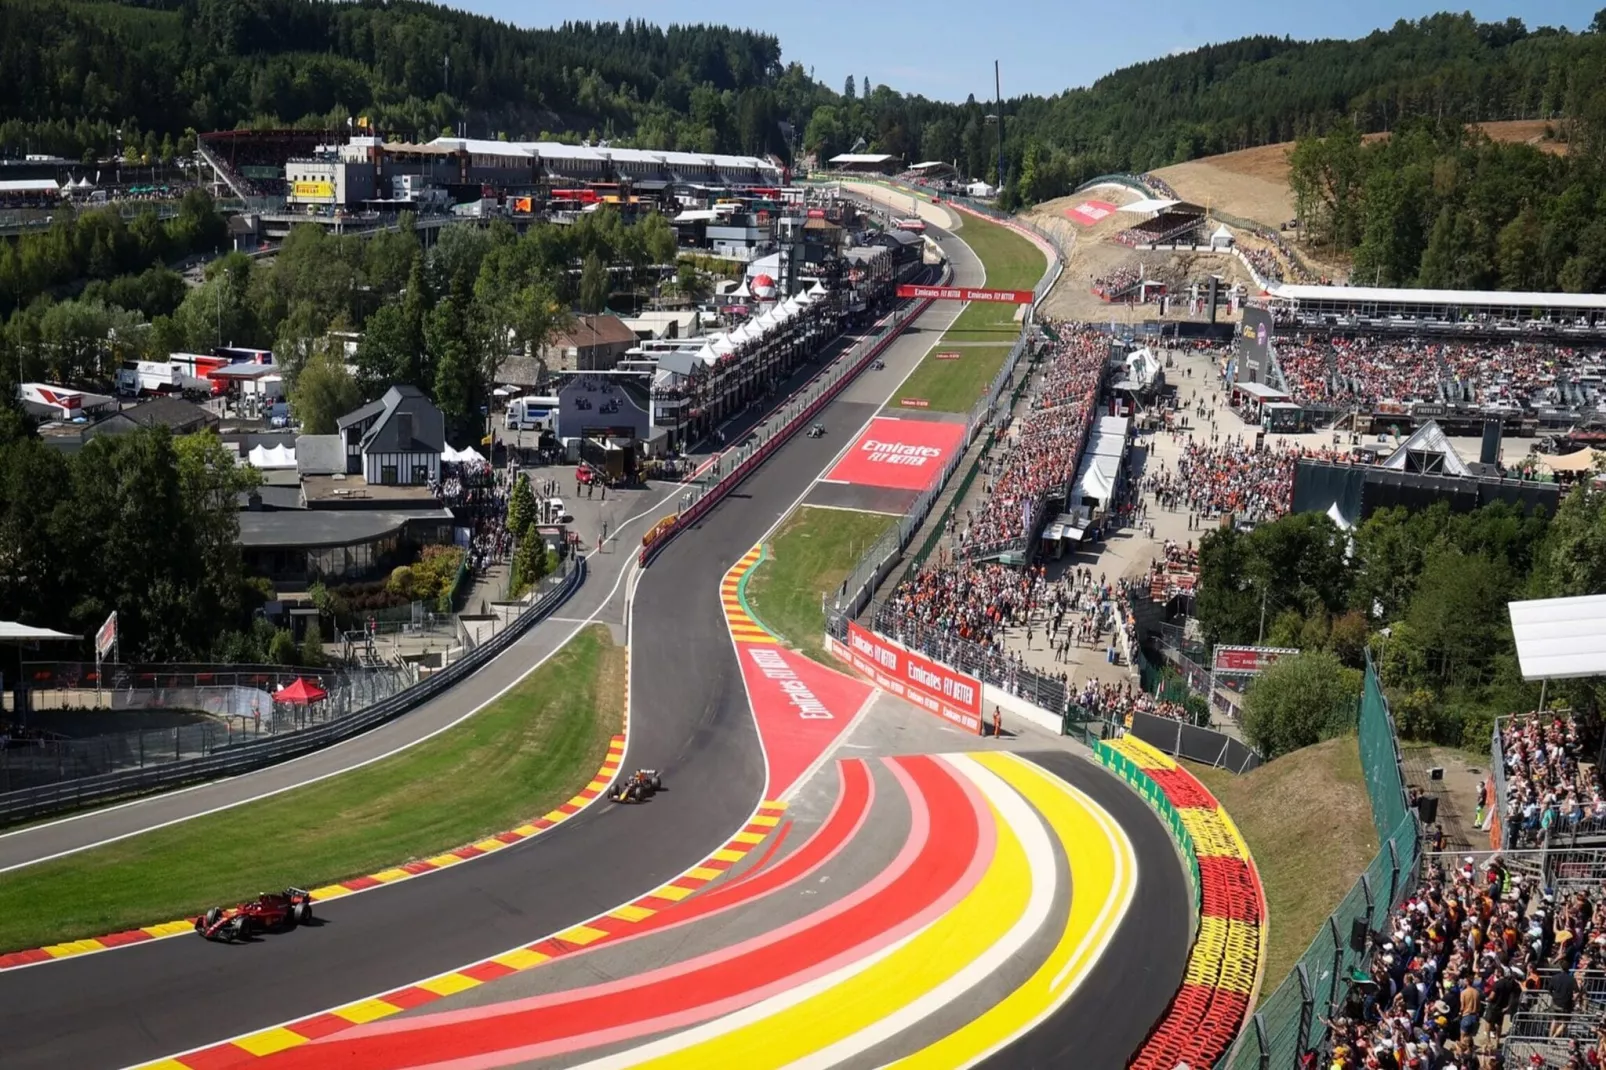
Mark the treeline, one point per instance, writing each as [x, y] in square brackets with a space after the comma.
[1439, 205]
[100, 244]
[1449, 69]
[444, 320]
[143, 523]
[77, 73]
[1426, 590]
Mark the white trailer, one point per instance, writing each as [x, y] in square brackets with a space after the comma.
[138, 377]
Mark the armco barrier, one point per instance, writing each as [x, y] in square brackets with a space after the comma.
[717, 492]
[29, 803]
[1228, 952]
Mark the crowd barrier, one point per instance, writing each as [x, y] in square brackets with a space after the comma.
[27, 804]
[1227, 953]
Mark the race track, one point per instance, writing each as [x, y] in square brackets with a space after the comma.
[690, 715]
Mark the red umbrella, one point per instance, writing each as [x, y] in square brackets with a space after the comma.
[300, 693]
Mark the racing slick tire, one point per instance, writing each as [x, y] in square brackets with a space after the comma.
[657, 783]
[238, 928]
[301, 912]
[205, 922]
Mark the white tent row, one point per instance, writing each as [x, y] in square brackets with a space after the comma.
[265, 457]
[464, 456]
[753, 330]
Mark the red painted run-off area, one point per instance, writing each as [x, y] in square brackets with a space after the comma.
[1090, 212]
[927, 876]
[802, 708]
[899, 454]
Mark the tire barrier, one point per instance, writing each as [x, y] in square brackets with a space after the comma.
[1225, 962]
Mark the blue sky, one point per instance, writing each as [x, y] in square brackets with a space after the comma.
[944, 48]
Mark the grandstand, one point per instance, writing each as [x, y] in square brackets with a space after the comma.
[1167, 221]
[865, 163]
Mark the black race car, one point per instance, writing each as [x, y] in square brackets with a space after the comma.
[639, 786]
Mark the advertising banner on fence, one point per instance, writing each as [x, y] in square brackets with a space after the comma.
[106, 637]
[1247, 659]
[961, 293]
[932, 686]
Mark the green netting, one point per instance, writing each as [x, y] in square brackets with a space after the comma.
[1290, 1016]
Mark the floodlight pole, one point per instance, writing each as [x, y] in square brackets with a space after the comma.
[998, 95]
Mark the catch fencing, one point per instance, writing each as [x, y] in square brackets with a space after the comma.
[1289, 1022]
[246, 752]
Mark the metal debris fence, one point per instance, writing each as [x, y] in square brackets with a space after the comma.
[1289, 1020]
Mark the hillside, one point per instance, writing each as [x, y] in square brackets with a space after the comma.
[76, 72]
[1253, 183]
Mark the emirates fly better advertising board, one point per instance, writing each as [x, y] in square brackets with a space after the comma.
[899, 454]
[932, 686]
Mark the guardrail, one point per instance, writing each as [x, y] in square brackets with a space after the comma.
[30, 803]
[804, 404]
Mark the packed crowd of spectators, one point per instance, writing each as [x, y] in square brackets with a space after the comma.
[1372, 370]
[477, 496]
[1210, 481]
[1162, 229]
[972, 602]
[1473, 946]
[1118, 702]
[1117, 282]
[1044, 447]
[1552, 778]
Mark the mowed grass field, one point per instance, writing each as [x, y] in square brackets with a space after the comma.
[1011, 263]
[953, 385]
[1308, 823]
[811, 554]
[529, 751]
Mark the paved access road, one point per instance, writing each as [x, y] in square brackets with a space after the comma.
[689, 716]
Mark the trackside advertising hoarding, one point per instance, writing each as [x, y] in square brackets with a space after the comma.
[926, 683]
[961, 293]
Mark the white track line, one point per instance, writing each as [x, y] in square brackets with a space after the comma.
[337, 772]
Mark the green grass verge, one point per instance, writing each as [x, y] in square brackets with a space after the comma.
[953, 385]
[518, 758]
[1308, 823]
[810, 555]
[1011, 263]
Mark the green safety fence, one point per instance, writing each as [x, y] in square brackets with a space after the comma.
[1289, 1022]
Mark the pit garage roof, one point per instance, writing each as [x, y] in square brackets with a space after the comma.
[1560, 638]
[863, 157]
[1458, 298]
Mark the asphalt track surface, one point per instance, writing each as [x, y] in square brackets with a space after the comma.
[1108, 1017]
[689, 716]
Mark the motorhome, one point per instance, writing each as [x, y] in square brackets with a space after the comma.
[532, 414]
[60, 402]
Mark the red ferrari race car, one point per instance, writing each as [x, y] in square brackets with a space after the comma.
[639, 786]
[270, 910]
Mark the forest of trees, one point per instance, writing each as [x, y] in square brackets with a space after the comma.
[1439, 205]
[78, 73]
[159, 70]
[442, 320]
[1426, 590]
